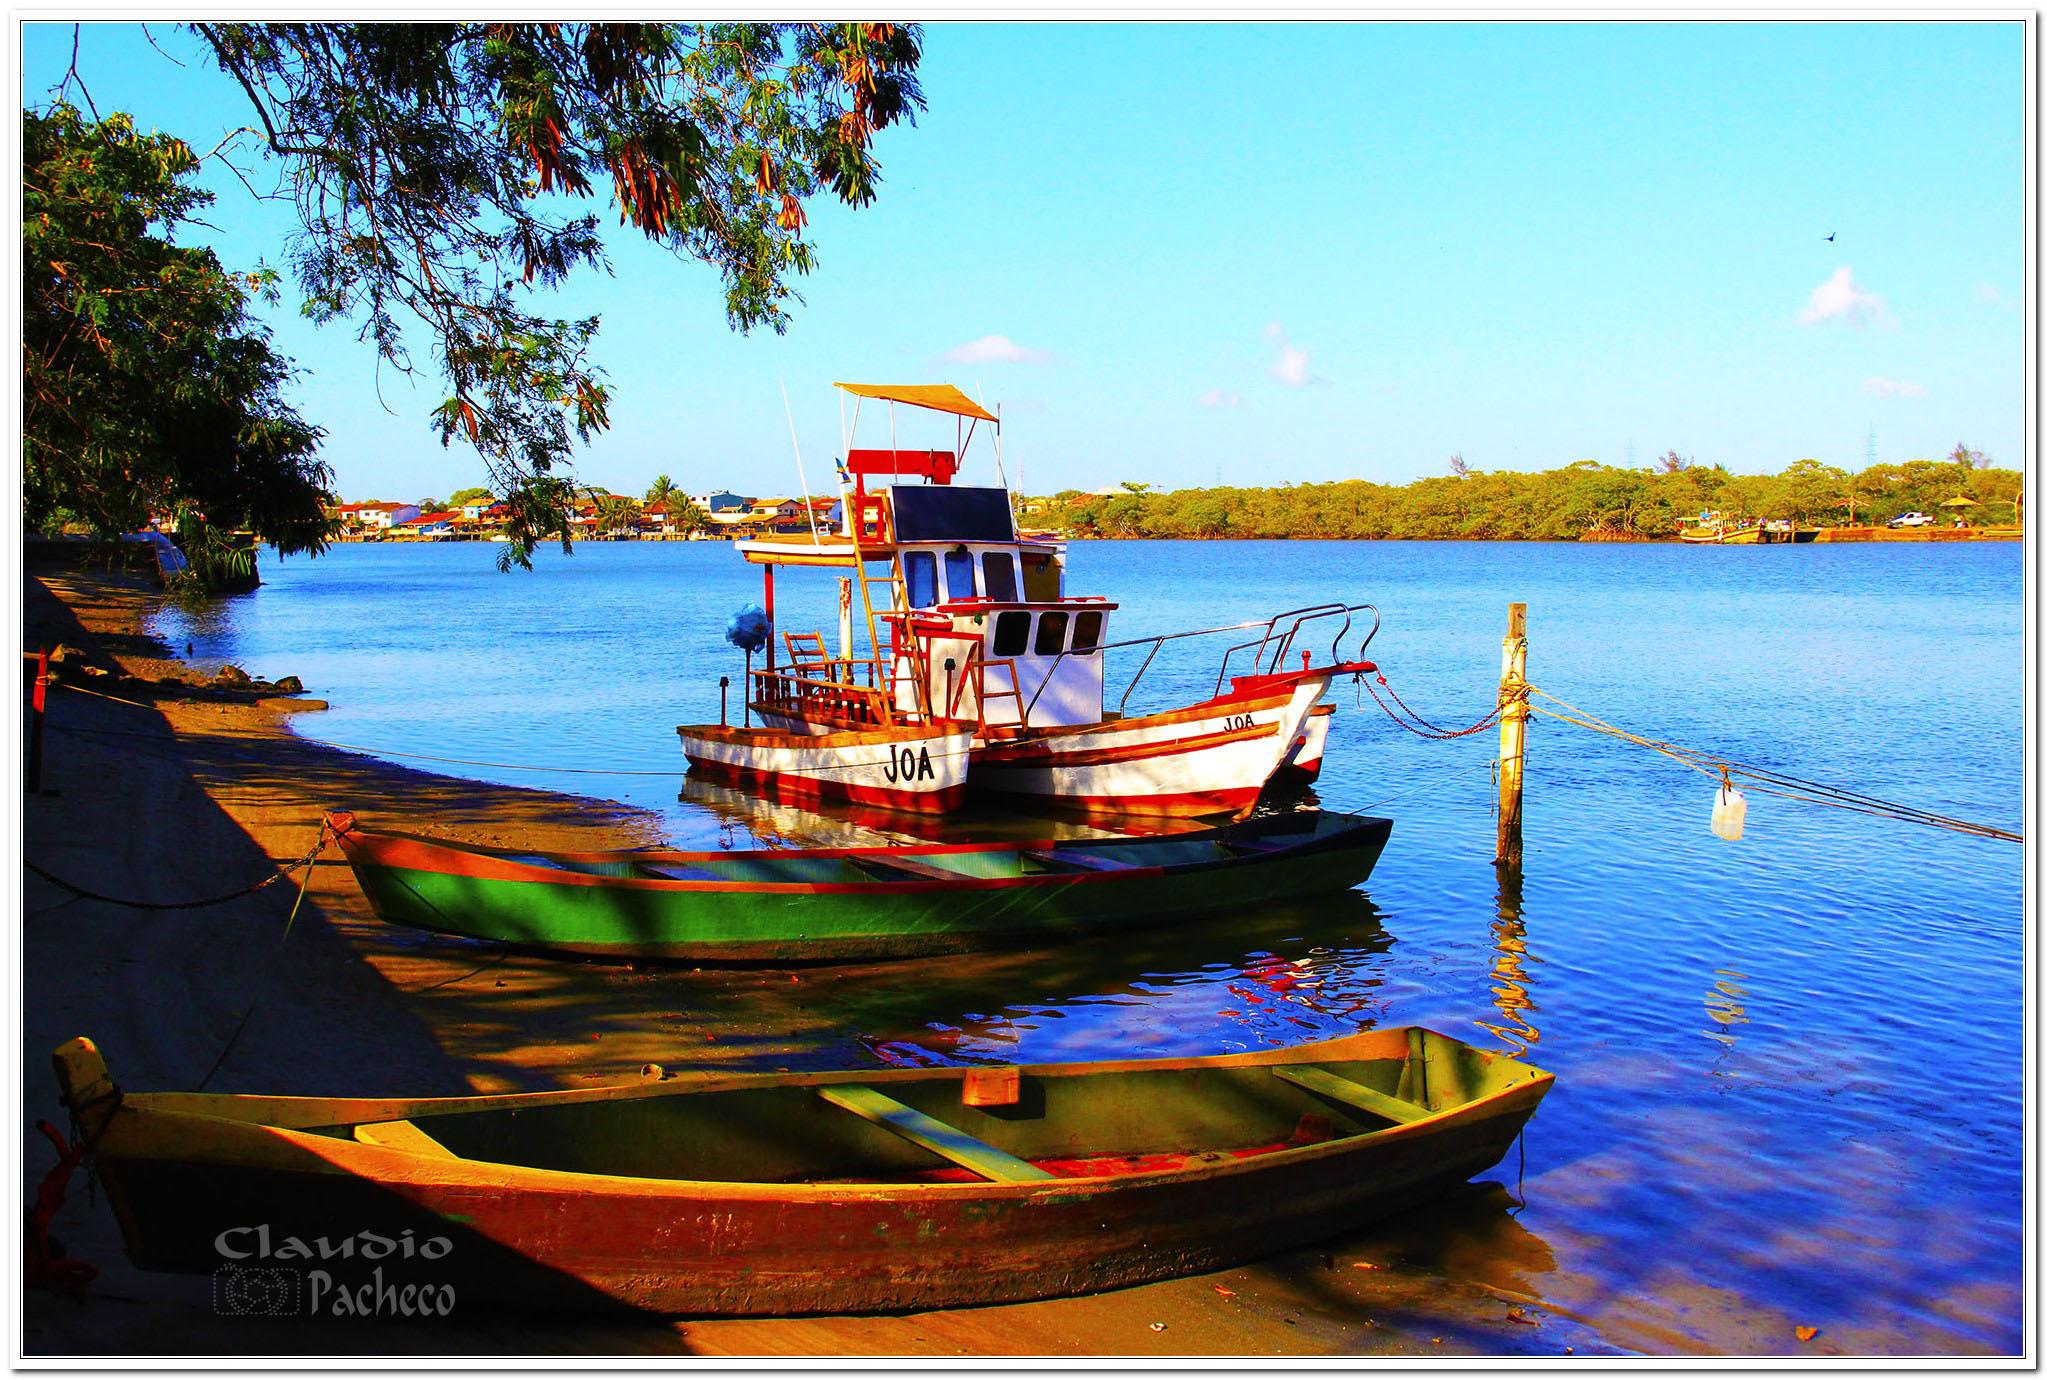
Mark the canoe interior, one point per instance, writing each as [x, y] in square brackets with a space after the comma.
[854, 866]
[1142, 1120]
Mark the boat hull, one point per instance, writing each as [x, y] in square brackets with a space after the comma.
[921, 770]
[1208, 759]
[189, 1189]
[1303, 762]
[478, 895]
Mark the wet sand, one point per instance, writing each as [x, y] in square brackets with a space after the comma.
[161, 793]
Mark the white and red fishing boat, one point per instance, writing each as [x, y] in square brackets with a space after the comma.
[969, 623]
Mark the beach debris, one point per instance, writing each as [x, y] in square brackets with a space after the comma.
[292, 706]
[1806, 1334]
[1226, 1293]
[1365, 1265]
[1158, 1327]
[1520, 1315]
[653, 1073]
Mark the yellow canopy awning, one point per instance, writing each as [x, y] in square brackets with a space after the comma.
[939, 397]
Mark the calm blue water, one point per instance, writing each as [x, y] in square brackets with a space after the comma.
[1790, 1068]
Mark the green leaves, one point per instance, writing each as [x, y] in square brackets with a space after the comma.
[146, 385]
[437, 171]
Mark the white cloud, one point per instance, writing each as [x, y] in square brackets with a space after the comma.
[994, 349]
[1215, 397]
[1291, 368]
[1893, 388]
[1839, 298]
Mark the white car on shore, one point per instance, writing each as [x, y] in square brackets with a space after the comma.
[1910, 520]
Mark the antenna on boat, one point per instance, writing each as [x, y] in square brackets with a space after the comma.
[809, 509]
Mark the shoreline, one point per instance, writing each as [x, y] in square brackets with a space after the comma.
[183, 794]
[186, 793]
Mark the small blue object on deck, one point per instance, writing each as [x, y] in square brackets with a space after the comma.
[748, 628]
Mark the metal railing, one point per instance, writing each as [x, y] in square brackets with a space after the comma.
[1282, 644]
[1271, 637]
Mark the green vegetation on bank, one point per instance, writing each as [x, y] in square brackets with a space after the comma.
[1577, 501]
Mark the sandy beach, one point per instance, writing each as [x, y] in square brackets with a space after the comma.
[156, 788]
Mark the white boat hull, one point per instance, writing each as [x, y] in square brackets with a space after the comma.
[1207, 759]
[910, 768]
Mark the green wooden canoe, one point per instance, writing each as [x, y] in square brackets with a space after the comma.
[851, 903]
[867, 1190]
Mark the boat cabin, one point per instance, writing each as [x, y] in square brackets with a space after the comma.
[970, 621]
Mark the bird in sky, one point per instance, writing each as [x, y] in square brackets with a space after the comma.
[1830, 238]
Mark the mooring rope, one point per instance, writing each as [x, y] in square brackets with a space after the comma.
[85, 894]
[1716, 766]
[249, 1006]
[1767, 781]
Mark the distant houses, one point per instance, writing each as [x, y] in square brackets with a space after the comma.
[374, 516]
[596, 517]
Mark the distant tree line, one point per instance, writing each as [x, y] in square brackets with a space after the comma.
[1574, 502]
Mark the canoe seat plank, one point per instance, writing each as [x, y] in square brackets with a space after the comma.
[400, 1135]
[679, 872]
[1340, 1089]
[934, 1135]
[901, 867]
[1086, 862]
[1254, 846]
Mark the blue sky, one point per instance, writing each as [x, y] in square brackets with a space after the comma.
[1261, 254]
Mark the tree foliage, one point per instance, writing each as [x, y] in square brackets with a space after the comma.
[441, 173]
[146, 385]
[1566, 504]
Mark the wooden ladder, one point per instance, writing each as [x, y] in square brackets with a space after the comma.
[984, 694]
[806, 651]
[896, 601]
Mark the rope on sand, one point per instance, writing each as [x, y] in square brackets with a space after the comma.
[85, 894]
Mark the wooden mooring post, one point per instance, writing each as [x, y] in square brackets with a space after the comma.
[1513, 735]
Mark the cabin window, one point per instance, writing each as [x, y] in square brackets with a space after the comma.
[1040, 579]
[998, 576]
[1051, 634]
[959, 574]
[1087, 630]
[1012, 633]
[920, 574]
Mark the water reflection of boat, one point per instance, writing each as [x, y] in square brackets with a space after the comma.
[875, 901]
[861, 1190]
[773, 823]
[1268, 975]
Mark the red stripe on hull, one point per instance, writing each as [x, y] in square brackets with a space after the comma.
[790, 787]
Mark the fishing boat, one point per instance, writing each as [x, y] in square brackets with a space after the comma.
[895, 900]
[913, 766]
[968, 620]
[869, 1190]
